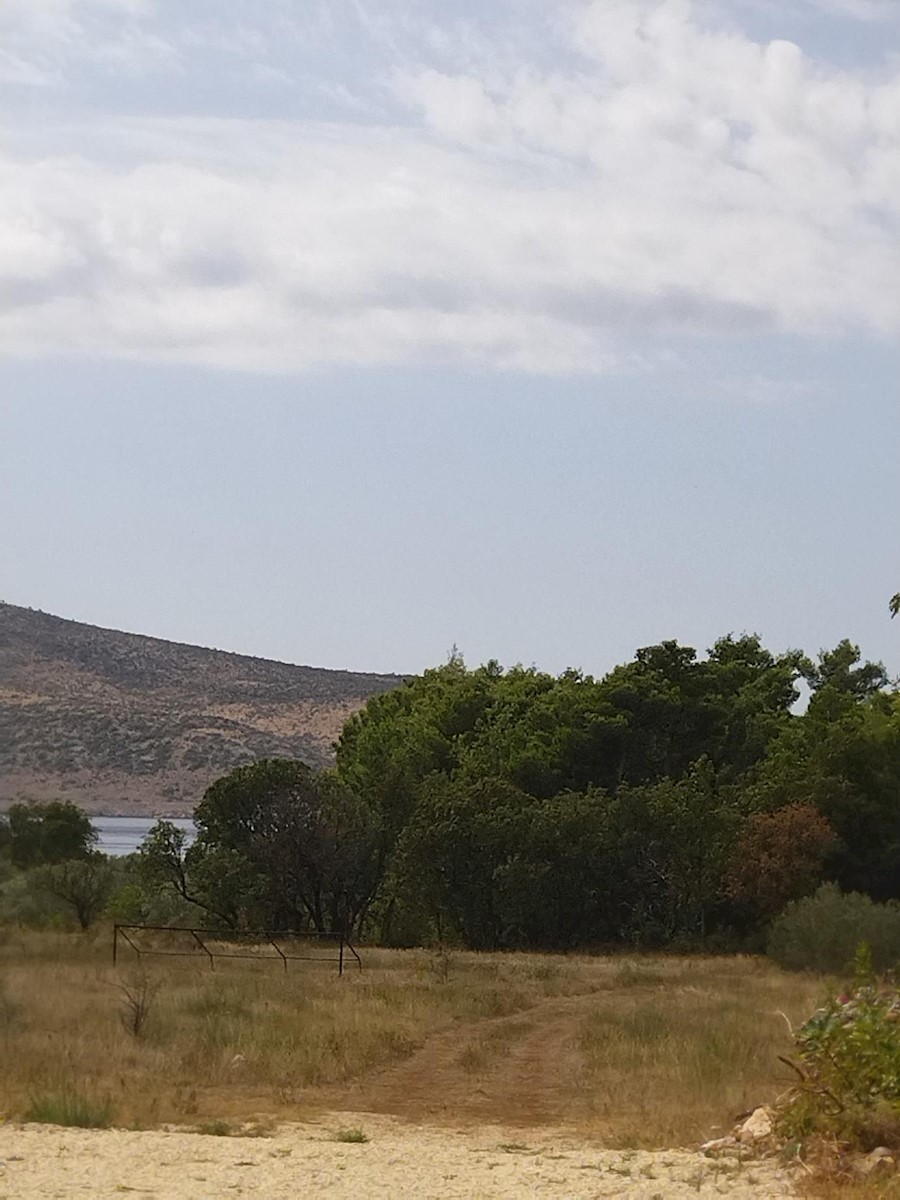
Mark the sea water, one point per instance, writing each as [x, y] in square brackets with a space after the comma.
[123, 835]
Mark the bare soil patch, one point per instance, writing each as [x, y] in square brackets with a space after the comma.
[304, 1160]
[518, 1069]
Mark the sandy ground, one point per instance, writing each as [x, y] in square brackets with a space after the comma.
[399, 1160]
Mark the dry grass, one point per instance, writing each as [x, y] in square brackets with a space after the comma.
[658, 1050]
[683, 1046]
[841, 1189]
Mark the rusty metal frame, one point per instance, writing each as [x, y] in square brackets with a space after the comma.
[202, 937]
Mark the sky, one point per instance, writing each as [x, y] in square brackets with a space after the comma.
[344, 332]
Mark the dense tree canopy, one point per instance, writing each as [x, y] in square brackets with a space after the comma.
[523, 808]
[679, 797]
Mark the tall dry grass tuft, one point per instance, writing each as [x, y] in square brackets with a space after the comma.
[70, 1107]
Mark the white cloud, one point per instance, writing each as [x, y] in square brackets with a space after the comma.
[672, 176]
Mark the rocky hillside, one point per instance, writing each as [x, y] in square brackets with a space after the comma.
[124, 724]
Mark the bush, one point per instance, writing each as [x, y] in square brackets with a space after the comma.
[849, 1066]
[354, 1137]
[821, 932]
[24, 901]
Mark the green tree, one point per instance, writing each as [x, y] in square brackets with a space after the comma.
[401, 737]
[692, 828]
[546, 735]
[35, 834]
[453, 853]
[679, 708]
[842, 670]
[562, 885]
[278, 846]
[219, 883]
[843, 758]
[84, 884]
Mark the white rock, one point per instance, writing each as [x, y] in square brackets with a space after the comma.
[879, 1159]
[758, 1125]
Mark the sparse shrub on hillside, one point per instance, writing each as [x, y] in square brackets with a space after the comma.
[821, 932]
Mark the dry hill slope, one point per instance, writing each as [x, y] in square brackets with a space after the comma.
[121, 723]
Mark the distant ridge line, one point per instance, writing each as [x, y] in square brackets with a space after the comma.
[131, 724]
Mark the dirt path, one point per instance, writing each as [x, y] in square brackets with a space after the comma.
[398, 1160]
[516, 1069]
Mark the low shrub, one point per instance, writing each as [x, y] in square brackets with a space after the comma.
[849, 1066]
[216, 1128]
[69, 1108]
[821, 932]
[353, 1137]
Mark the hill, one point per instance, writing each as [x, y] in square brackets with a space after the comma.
[125, 724]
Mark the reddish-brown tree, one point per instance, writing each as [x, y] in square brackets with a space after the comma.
[780, 857]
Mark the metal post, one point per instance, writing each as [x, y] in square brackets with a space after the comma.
[204, 947]
[272, 942]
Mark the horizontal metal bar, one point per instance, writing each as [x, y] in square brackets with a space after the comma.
[231, 934]
[212, 942]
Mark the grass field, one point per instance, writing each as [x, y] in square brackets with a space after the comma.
[642, 1051]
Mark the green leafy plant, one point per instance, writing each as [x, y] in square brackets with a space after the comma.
[354, 1136]
[849, 1065]
[216, 1128]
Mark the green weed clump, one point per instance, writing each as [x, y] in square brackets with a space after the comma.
[353, 1137]
[69, 1108]
[216, 1128]
[821, 932]
[849, 1067]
